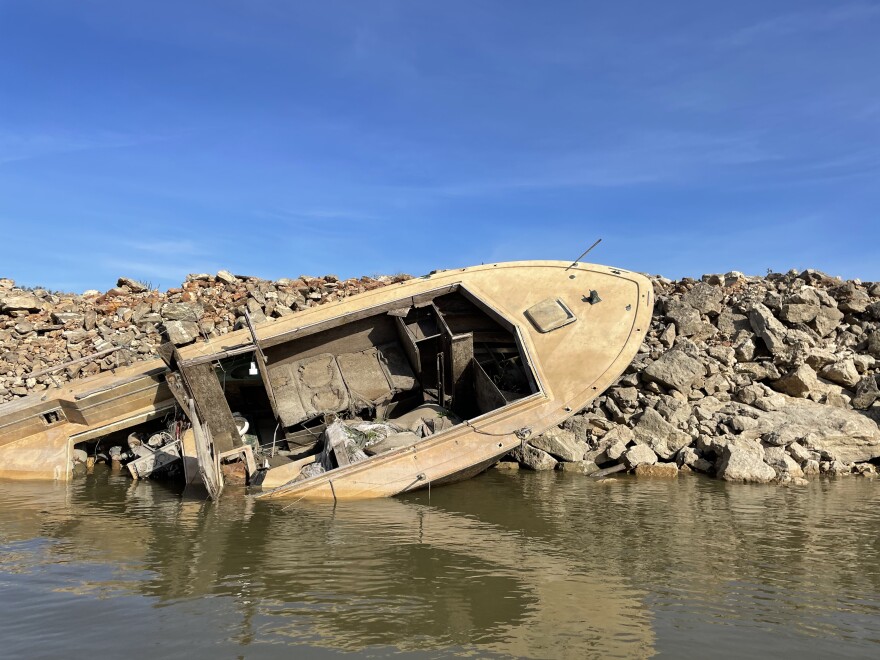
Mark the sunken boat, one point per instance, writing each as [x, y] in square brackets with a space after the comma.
[414, 385]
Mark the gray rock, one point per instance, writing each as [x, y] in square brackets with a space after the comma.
[768, 328]
[847, 435]
[676, 370]
[798, 382]
[743, 460]
[615, 450]
[827, 320]
[661, 436]
[799, 312]
[534, 458]
[799, 453]
[866, 394]
[20, 302]
[730, 323]
[704, 298]
[227, 277]
[561, 444]
[639, 455]
[687, 320]
[842, 372]
[873, 345]
[181, 312]
[182, 332]
[132, 285]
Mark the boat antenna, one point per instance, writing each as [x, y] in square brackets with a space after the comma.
[586, 252]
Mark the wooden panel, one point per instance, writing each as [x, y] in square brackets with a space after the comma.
[461, 354]
[409, 346]
[205, 389]
[488, 396]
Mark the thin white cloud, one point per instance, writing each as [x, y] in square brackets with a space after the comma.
[27, 145]
[802, 22]
[643, 158]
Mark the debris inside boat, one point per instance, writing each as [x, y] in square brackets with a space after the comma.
[413, 385]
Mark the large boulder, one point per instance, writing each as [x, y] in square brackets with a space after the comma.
[768, 328]
[181, 312]
[847, 435]
[867, 393]
[20, 302]
[799, 312]
[661, 436]
[182, 332]
[842, 372]
[743, 460]
[827, 320]
[561, 444]
[675, 370]
[534, 458]
[687, 320]
[797, 382]
[639, 455]
[704, 298]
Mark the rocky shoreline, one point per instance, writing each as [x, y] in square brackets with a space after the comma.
[759, 379]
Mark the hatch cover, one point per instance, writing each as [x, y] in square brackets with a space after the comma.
[550, 314]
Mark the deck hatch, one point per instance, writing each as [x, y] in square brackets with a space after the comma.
[550, 314]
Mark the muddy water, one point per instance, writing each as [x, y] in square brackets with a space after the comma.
[525, 565]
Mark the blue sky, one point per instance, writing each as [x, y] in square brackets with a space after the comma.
[277, 138]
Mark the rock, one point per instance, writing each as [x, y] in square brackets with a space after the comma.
[133, 285]
[639, 455]
[615, 450]
[676, 370]
[227, 277]
[850, 298]
[873, 345]
[730, 323]
[743, 460]
[687, 320]
[784, 465]
[768, 328]
[658, 470]
[705, 298]
[182, 332]
[507, 465]
[827, 320]
[799, 382]
[658, 434]
[20, 302]
[799, 312]
[561, 444]
[667, 337]
[843, 373]
[181, 312]
[866, 393]
[534, 458]
[847, 435]
[799, 453]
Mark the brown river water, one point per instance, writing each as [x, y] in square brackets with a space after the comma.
[532, 565]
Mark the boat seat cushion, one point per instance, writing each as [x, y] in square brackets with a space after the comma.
[325, 383]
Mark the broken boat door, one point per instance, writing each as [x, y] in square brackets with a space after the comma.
[209, 465]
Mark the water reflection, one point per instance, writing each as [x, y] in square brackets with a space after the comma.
[530, 565]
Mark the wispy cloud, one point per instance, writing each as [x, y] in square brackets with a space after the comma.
[643, 158]
[19, 146]
[802, 22]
